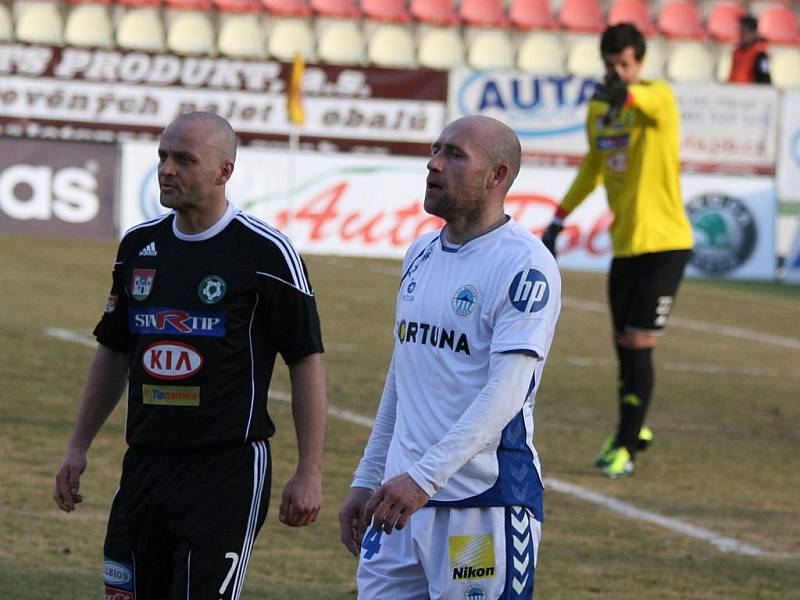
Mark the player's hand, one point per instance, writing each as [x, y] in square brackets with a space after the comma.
[68, 479]
[549, 236]
[302, 498]
[614, 91]
[351, 519]
[392, 504]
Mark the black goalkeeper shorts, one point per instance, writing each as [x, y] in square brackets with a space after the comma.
[642, 289]
[183, 523]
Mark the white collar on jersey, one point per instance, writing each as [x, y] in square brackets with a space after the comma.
[448, 246]
[230, 212]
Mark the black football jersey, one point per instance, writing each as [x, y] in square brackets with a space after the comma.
[202, 318]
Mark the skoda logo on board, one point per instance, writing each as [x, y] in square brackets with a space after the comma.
[724, 232]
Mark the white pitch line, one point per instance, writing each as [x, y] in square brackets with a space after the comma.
[71, 336]
[723, 543]
[707, 368]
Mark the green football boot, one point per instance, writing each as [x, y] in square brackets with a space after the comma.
[620, 465]
[610, 444]
[606, 451]
[645, 438]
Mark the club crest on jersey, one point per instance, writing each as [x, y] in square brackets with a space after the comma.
[529, 291]
[142, 283]
[212, 289]
[475, 592]
[465, 300]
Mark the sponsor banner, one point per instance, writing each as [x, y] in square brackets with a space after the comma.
[372, 206]
[792, 264]
[722, 127]
[57, 188]
[176, 321]
[789, 154]
[71, 92]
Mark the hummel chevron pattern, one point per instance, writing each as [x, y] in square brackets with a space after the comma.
[514, 437]
[521, 576]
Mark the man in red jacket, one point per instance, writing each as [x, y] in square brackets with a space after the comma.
[750, 63]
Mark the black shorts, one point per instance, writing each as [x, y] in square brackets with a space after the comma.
[641, 289]
[183, 523]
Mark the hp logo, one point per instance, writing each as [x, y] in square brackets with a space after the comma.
[529, 291]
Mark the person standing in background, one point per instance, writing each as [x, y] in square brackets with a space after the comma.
[632, 126]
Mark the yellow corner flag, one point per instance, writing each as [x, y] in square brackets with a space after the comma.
[294, 96]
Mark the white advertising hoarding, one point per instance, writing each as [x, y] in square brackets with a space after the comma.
[789, 153]
[722, 127]
[372, 206]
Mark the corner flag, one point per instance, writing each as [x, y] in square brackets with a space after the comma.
[294, 95]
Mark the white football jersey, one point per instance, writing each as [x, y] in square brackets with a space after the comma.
[497, 293]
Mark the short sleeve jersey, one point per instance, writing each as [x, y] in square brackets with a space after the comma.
[500, 292]
[202, 319]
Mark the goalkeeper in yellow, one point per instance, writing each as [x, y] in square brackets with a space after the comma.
[632, 127]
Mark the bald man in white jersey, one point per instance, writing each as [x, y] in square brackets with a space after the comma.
[446, 502]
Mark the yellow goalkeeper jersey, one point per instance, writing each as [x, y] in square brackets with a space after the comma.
[636, 156]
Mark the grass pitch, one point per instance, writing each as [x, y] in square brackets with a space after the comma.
[725, 413]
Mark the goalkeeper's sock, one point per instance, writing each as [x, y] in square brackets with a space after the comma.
[637, 389]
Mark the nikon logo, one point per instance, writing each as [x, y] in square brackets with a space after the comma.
[472, 573]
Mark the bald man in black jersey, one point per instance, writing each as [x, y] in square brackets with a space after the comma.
[202, 301]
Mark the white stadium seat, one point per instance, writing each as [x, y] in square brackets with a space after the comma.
[584, 59]
[690, 62]
[141, 29]
[342, 43]
[241, 36]
[40, 23]
[490, 49]
[6, 24]
[392, 46]
[541, 54]
[191, 33]
[654, 59]
[289, 36]
[440, 48]
[89, 25]
[784, 67]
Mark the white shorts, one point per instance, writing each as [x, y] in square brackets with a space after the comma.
[452, 554]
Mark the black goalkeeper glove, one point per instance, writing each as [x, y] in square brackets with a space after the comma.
[549, 236]
[614, 91]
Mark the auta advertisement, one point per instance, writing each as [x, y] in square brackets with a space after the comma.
[372, 206]
[723, 128]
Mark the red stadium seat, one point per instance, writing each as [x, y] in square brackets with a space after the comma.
[778, 24]
[531, 14]
[335, 8]
[436, 12]
[680, 19]
[103, 2]
[483, 13]
[385, 10]
[287, 8]
[581, 15]
[632, 11]
[237, 6]
[723, 21]
[139, 3]
[188, 4]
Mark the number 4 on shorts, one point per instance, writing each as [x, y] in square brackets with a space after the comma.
[372, 543]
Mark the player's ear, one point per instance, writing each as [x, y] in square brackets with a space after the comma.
[225, 172]
[499, 175]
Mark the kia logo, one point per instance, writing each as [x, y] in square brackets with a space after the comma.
[171, 360]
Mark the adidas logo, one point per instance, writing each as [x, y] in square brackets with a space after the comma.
[149, 250]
